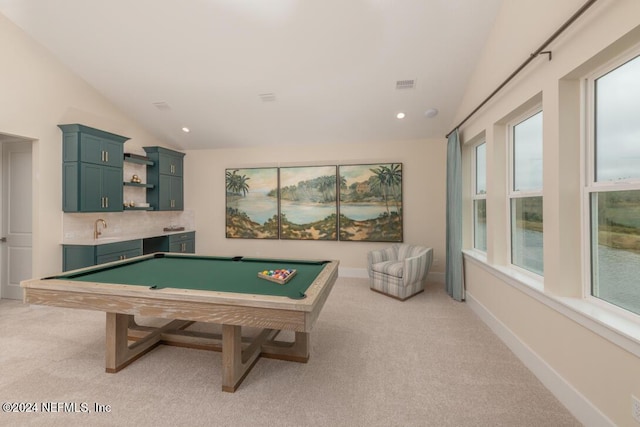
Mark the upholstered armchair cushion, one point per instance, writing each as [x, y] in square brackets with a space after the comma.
[399, 271]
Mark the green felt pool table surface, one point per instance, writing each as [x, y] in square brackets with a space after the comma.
[205, 273]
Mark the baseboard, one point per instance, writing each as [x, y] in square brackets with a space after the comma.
[361, 273]
[571, 398]
[435, 277]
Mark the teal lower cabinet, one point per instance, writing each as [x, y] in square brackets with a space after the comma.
[77, 256]
[80, 256]
[183, 242]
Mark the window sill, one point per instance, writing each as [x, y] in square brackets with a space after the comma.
[620, 329]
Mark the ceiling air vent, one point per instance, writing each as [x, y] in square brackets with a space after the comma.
[267, 97]
[163, 106]
[405, 84]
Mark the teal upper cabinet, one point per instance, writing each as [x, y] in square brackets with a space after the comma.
[92, 169]
[166, 177]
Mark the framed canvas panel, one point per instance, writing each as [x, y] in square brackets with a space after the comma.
[308, 203]
[252, 203]
[371, 202]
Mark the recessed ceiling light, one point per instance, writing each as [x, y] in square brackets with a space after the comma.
[161, 105]
[431, 112]
[405, 84]
[400, 115]
[267, 97]
[186, 130]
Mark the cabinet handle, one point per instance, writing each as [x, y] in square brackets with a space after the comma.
[106, 156]
[102, 202]
[106, 202]
[102, 156]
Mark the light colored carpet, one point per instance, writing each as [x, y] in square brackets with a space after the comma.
[375, 361]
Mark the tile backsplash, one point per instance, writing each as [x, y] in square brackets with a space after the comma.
[126, 223]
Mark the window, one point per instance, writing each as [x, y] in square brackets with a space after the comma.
[613, 189]
[480, 198]
[525, 193]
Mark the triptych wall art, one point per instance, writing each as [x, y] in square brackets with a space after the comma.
[346, 202]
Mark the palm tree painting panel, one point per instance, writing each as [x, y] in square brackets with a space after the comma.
[308, 203]
[252, 203]
[371, 202]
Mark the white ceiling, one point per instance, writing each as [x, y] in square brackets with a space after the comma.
[332, 65]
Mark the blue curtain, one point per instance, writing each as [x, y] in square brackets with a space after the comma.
[454, 271]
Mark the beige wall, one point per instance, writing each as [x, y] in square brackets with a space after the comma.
[593, 371]
[423, 197]
[38, 93]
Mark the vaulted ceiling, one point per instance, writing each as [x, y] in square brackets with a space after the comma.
[241, 73]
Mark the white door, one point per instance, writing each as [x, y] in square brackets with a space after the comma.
[15, 241]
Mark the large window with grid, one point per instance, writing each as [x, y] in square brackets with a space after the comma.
[479, 197]
[613, 187]
[525, 192]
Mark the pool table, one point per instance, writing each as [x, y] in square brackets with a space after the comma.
[188, 289]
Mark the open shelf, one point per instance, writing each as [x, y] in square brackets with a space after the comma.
[136, 158]
[137, 184]
[136, 208]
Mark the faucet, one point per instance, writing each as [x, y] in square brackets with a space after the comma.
[97, 233]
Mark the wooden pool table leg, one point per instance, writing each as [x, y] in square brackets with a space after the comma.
[297, 351]
[119, 353]
[236, 363]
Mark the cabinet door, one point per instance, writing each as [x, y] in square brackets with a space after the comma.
[103, 259]
[118, 256]
[169, 165]
[177, 193]
[112, 189]
[114, 153]
[91, 197]
[190, 246]
[164, 193]
[70, 188]
[186, 247]
[170, 193]
[100, 151]
[75, 256]
[100, 188]
[91, 150]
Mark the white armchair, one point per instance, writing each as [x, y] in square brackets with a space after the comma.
[399, 271]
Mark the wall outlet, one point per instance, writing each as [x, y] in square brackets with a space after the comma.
[635, 408]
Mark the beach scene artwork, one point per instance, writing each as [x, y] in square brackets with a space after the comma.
[371, 202]
[252, 203]
[308, 203]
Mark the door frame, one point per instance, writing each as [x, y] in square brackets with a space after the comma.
[9, 138]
